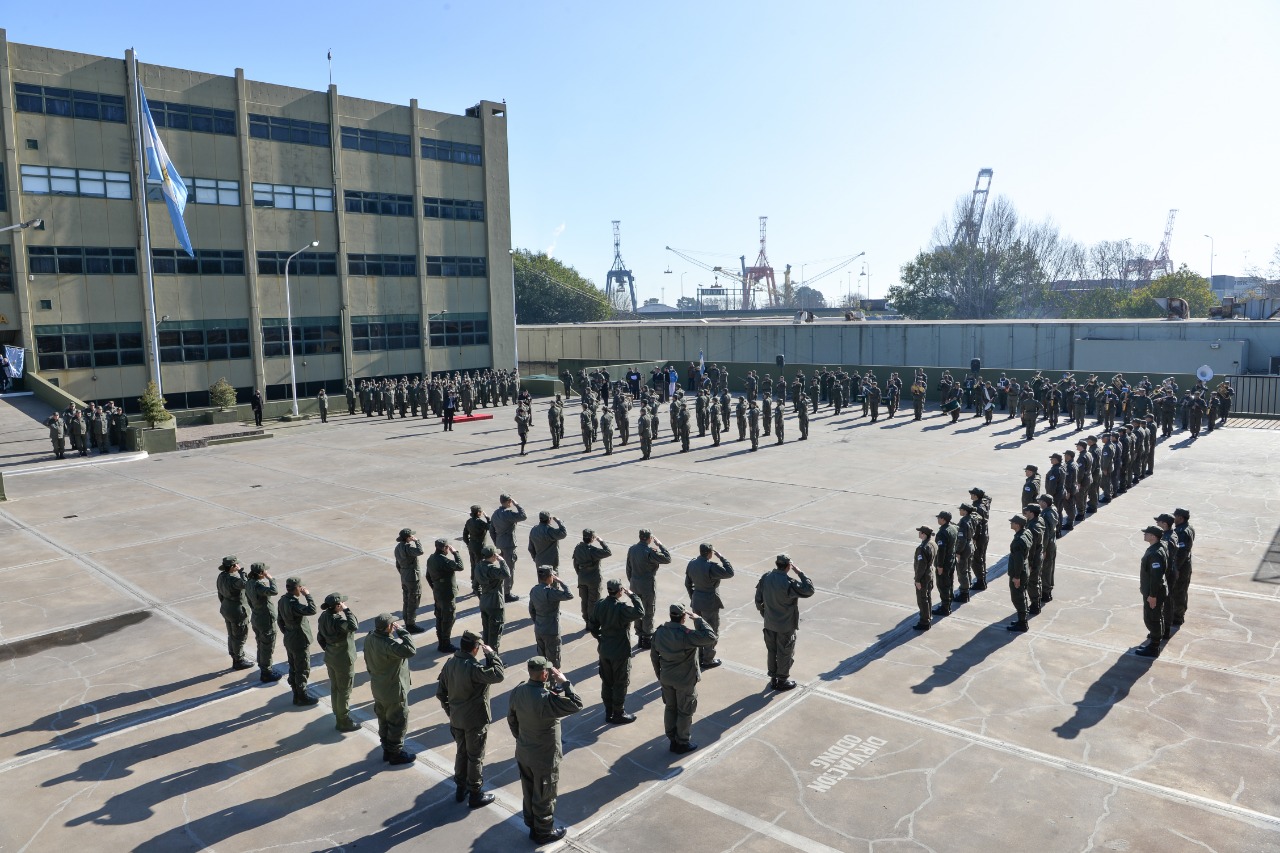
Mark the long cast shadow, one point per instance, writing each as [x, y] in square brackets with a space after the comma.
[1109, 690]
[966, 657]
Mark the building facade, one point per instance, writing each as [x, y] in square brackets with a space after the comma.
[410, 208]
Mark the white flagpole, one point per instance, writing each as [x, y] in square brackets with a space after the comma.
[148, 274]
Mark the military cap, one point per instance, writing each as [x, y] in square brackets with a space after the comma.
[259, 567]
[477, 508]
[976, 491]
[706, 547]
[383, 621]
[471, 636]
[1091, 439]
[1082, 443]
[406, 532]
[964, 507]
[782, 560]
[587, 533]
[1032, 508]
[333, 598]
[293, 581]
[1033, 469]
[487, 551]
[441, 540]
[924, 528]
[546, 571]
[1182, 513]
[503, 498]
[614, 585]
[1018, 520]
[677, 610]
[1055, 455]
[538, 663]
[228, 562]
[1165, 517]
[944, 514]
[644, 533]
[1045, 499]
[1153, 530]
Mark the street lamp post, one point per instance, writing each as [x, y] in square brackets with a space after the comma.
[1210, 261]
[22, 226]
[288, 310]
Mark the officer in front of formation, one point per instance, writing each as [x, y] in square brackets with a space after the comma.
[702, 581]
[923, 563]
[674, 655]
[537, 707]
[778, 601]
[463, 691]
[1019, 571]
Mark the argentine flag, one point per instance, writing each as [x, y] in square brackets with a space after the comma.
[160, 168]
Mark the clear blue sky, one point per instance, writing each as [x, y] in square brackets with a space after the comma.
[853, 126]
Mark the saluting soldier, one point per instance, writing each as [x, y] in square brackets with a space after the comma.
[674, 654]
[536, 709]
[336, 631]
[502, 528]
[386, 656]
[611, 625]
[463, 691]
[702, 579]
[294, 608]
[544, 611]
[476, 534]
[643, 560]
[923, 563]
[606, 430]
[408, 556]
[443, 568]
[234, 608]
[493, 576]
[587, 556]
[778, 601]
[523, 420]
[802, 421]
[260, 590]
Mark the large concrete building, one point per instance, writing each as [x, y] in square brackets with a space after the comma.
[410, 208]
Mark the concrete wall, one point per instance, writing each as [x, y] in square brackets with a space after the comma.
[1049, 346]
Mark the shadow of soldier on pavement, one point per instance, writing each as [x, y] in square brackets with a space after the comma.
[964, 658]
[1109, 690]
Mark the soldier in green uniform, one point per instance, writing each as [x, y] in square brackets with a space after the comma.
[493, 576]
[586, 424]
[523, 420]
[802, 421]
[715, 423]
[234, 608]
[587, 556]
[643, 560]
[408, 554]
[674, 655]
[1152, 581]
[57, 435]
[294, 608]
[1031, 486]
[777, 600]
[555, 421]
[945, 562]
[544, 611]
[386, 656]
[322, 403]
[351, 397]
[463, 691]
[1019, 551]
[964, 551]
[1182, 563]
[753, 424]
[645, 427]
[536, 709]
[702, 581]
[443, 568]
[611, 626]
[336, 632]
[778, 423]
[923, 562]
[1049, 547]
[475, 534]
[1035, 527]
[502, 528]
[1029, 408]
[740, 412]
[981, 537]
[260, 590]
[766, 415]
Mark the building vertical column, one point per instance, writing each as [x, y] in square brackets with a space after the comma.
[249, 212]
[497, 221]
[419, 227]
[340, 211]
[17, 240]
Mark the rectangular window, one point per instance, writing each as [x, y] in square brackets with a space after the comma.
[308, 263]
[206, 262]
[453, 208]
[191, 117]
[450, 152]
[294, 130]
[6, 268]
[88, 345]
[71, 103]
[203, 340]
[203, 191]
[81, 260]
[292, 198]
[375, 141]
[90, 183]
[451, 267]
[4, 190]
[460, 330]
[385, 265]
[386, 332]
[311, 336]
[383, 204]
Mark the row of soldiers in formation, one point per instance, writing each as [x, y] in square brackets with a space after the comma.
[93, 428]
[679, 649]
[434, 397]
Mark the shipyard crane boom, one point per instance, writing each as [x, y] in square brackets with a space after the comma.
[1161, 261]
[718, 271]
[969, 229]
[618, 275]
[836, 268]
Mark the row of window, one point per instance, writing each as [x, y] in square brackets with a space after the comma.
[72, 103]
[384, 204]
[191, 117]
[95, 260]
[311, 336]
[83, 345]
[288, 197]
[4, 194]
[387, 332]
[295, 130]
[376, 141]
[196, 341]
[459, 330]
[93, 183]
[453, 208]
[451, 152]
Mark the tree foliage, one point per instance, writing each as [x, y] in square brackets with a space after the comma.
[1140, 302]
[808, 298]
[548, 291]
[222, 394]
[152, 405]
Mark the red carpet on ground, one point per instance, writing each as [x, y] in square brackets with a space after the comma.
[462, 419]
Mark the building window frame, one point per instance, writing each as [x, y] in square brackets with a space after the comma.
[385, 332]
[462, 210]
[376, 141]
[451, 266]
[311, 336]
[82, 260]
[307, 263]
[69, 103]
[85, 183]
[193, 117]
[459, 330]
[380, 204]
[88, 345]
[392, 266]
[295, 130]
[289, 197]
[206, 262]
[446, 151]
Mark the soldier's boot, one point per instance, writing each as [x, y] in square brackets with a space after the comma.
[347, 725]
[302, 697]
[479, 799]
[401, 757]
[1018, 625]
[241, 663]
[682, 748]
[783, 684]
[621, 718]
[547, 837]
[269, 675]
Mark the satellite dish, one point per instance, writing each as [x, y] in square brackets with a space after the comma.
[1204, 373]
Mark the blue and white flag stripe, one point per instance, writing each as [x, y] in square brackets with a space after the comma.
[160, 168]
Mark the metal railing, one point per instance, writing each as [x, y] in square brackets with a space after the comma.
[1257, 395]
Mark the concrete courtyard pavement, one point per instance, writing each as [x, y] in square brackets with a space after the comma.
[124, 730]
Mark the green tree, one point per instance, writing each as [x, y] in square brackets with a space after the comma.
[1189, 285]
[222, 394]
[548, 291]
[152, 404]
[809, 298]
